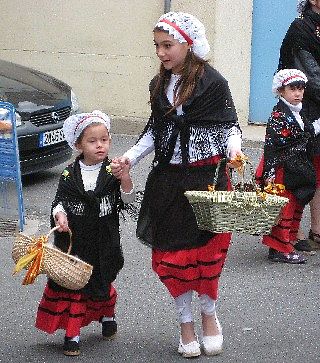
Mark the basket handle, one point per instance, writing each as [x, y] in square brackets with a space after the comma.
[70, 235]
[252, 179]
[241, 188]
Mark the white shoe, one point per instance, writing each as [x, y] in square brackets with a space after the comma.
[189, 350]
[212, 345]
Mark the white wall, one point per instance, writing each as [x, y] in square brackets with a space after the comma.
[104, 49]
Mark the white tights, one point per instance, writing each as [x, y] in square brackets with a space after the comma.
[183, 306]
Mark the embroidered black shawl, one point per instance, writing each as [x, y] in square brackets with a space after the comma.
[94, 221]
[210, 105]
[287, 146]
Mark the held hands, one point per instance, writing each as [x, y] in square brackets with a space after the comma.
[120, 167]
[62, 221]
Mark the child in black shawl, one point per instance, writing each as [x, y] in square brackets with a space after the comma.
[287, 161]
[88, 201]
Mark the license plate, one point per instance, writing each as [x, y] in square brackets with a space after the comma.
[51, 137]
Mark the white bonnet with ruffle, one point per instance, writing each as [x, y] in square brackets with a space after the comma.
[186, 28]
[301, 5]
[285, 77]
[75, 124]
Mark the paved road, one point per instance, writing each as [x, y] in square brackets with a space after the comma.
[269, 312]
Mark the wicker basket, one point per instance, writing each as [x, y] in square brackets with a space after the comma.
[236, 210]
[66, 270]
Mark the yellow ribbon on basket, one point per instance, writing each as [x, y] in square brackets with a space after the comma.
[34, 258]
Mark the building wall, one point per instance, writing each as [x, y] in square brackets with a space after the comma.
[265, 51]
[104, 49]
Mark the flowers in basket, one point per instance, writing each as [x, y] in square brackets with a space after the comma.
[245, 208]
[271, 188]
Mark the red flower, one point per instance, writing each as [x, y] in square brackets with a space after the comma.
[276, 114]
[285, 132]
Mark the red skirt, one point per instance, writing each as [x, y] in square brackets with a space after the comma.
[71, 311]
[196, 269]
[284, 234]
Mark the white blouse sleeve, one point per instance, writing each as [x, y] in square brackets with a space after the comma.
[142, 148]
[234, 144]
[233, 140]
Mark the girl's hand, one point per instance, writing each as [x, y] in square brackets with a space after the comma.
[235, 159]
[124, 175]
[125, 167]
[120, 166]
[61, 220]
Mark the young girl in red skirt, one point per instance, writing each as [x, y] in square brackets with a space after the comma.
[287, 160]
[192, 126]
[87, 202]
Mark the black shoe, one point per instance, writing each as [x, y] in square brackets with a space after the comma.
[70, 347]
[303, 245]
[109, 329]
[292, 257]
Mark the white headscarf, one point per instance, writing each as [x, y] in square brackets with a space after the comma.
[285, 77]
[186, 29]
[75, 124]
[301, 5]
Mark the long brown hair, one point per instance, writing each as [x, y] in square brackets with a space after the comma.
[192, 70]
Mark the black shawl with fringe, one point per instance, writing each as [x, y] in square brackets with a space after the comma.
[210, 105]
[94, 221]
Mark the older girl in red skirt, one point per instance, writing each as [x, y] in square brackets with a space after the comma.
[192, 126]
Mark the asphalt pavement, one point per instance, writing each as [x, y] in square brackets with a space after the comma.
[269, 312]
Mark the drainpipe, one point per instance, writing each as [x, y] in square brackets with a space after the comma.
[167, 6]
